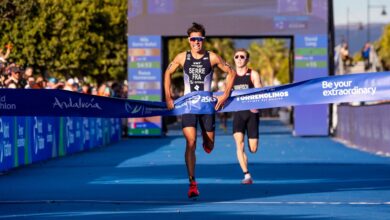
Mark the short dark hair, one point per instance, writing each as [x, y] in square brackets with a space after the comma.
[196, 28]
[242, 50]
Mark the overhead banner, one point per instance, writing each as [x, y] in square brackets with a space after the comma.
[323, 90]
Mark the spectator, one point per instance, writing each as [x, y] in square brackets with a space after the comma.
[40, 83]
[104, 90]
[366, 56]
[344, 53]
[29, 72]
[53, 83]
[69, 84]
[14, 78]
[3, 57]
[94, 91]
[85, 88]
[30, 82]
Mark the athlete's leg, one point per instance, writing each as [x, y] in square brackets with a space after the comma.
[240, 150]
[253, 144]
[189, 122]
[190, 135]
[208, 139]
[253, 131]
[207, 124]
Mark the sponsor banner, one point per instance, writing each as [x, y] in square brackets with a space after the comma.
[52, 132]
[323, 90]
[22, 141]
[73, 138]
[7, 149]
[26, 140]
[40, 148]
[115, 131]
[86, 133]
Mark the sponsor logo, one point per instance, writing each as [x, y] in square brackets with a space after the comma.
[1, 153]
[39, 141]
[343, 88]
[69, 132]
[133, 109]
[78, 104]
[20, 139]
[1, 146]
[6, 147]
[269, 96]
[194, 102]
[86, 130]
[6, 106]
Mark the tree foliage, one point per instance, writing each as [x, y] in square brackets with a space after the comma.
[384, 47]
[271, 59]
[67, 37]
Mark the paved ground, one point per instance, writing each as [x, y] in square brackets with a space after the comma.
[295, 178]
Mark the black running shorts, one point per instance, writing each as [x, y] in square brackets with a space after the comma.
[207, 122]
[246, 121]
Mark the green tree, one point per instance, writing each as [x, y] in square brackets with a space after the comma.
[384, 47]
[68, 37]
[271, 58]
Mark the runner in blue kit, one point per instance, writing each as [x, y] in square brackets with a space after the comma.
[198, 67]
[247, 120]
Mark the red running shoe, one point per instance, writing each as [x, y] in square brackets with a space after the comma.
[207, 149]
[193, 191]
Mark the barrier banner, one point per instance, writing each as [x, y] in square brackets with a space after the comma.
[26, 140]
[22, 141]
[6, 142]
[323, 90]
[41, 149]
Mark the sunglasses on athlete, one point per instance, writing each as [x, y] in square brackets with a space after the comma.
[240, 56]
[200, 39]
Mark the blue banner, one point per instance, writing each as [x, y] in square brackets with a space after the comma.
[6, 142]
[323, 90]
[26, 140]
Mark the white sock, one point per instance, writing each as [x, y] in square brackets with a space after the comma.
[247, 176]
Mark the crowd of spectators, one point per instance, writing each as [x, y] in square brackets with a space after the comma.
[13, 76]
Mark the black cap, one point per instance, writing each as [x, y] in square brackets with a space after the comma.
[15, 69]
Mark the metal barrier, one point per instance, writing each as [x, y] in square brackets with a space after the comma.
[366, 127]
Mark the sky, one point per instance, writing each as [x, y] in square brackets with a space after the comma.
[358, 11]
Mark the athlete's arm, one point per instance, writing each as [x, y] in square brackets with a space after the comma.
[255, 78]
[172, 67]
[231, 74]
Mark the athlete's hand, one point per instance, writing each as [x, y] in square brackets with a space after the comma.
[169, 102]
[221, 101]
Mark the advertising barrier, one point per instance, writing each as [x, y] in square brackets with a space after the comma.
[26, 140]
[365, 127]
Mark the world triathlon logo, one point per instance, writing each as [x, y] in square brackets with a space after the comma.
[133, 109]
[6, 106]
